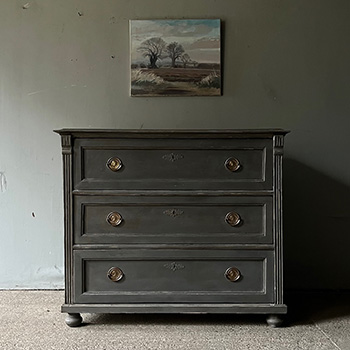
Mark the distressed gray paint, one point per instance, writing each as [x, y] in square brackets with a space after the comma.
[144, 221]
[147, 280]
[158, 260]
[286, 64]
[190, 164]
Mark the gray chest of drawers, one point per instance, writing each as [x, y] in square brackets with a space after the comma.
[186, 221]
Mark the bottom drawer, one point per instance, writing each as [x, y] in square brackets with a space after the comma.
[156, 276]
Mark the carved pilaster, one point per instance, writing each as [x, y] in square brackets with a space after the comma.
[278, 142]
[66, 141]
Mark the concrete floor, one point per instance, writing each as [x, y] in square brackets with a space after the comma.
[32, 320]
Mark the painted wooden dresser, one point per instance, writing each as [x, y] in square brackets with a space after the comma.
[167, 221]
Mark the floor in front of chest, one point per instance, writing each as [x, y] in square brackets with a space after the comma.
[32, 320]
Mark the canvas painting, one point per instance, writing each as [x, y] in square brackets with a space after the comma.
[175, 57]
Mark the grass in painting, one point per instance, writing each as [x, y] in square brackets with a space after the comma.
[144, 78]
[211, 81]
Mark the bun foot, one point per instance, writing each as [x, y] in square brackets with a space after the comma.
[73, 320]
[274, 321]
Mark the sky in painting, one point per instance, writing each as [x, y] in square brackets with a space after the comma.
[199, 38]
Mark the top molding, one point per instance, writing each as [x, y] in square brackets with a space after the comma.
[173, 133]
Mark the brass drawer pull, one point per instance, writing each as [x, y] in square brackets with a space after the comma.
[233, 218]
[115, 274]
[232, 164]
[114, 163]
[233, 274]
[114, 218]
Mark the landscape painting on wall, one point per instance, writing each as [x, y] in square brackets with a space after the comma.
[175, 57]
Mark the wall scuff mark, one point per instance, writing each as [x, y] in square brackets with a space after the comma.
[3, 182]
[26, 6]
[35, 92]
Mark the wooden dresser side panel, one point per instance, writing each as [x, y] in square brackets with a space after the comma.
[278, 215]
[67, 155]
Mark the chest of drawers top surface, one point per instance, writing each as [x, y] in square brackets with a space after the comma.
[106, 133]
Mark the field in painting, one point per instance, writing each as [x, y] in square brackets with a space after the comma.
[168, 81]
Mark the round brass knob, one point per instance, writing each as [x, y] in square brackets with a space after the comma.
[233, 274]
[232, 164]
[233, 218]
[115, 274]
[114, 163]
[114, 218]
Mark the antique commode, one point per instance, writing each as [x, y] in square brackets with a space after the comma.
[166, 221]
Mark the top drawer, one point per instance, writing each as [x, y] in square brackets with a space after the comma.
[173, 164]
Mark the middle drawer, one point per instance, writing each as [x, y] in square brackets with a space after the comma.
[173, 220]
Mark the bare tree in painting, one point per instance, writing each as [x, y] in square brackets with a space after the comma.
[185, 58]
[174, 50]
[153, 49]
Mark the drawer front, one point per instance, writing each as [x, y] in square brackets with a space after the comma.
[173, 164]
[121, 276]
[172, 219]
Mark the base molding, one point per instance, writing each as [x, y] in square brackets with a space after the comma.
[176, 308]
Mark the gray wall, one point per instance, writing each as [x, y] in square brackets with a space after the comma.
[286, 64]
